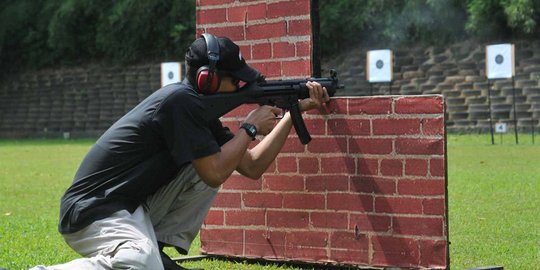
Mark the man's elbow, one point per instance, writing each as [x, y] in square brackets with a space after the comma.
[215, 180]
[251, 173]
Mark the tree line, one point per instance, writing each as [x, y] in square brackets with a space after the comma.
[37, 34]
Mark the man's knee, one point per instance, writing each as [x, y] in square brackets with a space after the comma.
[137, 255]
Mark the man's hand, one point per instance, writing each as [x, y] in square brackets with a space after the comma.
[317, 96]
[264, 118]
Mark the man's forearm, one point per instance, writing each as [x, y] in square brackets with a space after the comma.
[262, 155]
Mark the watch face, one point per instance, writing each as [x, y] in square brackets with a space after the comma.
[252, 130]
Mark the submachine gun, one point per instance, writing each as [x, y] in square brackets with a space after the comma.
[283, 94]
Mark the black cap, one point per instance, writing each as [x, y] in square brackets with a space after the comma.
[230, 59]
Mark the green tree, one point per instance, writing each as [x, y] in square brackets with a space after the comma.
[132, 30]
[503, 18]
[34, 34]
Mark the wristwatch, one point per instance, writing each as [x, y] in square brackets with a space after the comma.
[251, 130]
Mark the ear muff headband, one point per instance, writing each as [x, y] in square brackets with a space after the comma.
[208, 80]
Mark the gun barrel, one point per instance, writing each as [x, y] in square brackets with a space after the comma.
[285, 86]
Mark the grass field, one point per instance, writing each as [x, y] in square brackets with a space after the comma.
[494, 200]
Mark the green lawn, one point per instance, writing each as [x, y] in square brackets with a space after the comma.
[493, 206]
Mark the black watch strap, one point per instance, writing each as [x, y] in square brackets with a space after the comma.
[251, 130]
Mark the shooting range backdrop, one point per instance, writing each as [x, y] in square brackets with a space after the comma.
[370, 189]
[86, 100]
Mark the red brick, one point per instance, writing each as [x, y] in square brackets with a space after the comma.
[370, 223]
[307, 239]
[396, 126]
[370, 184]
[287, 219]
[263, 199]
[303, 201]
[235, 33]
[266, 30]
[293, 145]
[296, 68]
[336, 106]
[284, 183]
[340, 164]
[288, 8]
[214, 217]
[315, 126]
[349, 127]
[287, 165]
[433, 254]
[353, 257]
[327, 183]
[303, 49]
[211, 16]
[299, 28]
[351, 202]
[245, 218]
[256, 12]
[306, 253]
[271, 70]
[418, 226]
[374, 105]
[308, 165]
[262, 237]
[283, 49]
[329, 220]
[349, 240]
[237, 14]
[328, 145]
[227, 200]
[266, 244]
[420, 146]
[239, 182]
[398, 205]
[433, 126]
[419, 105]
[368, 166]
[394, 251]
[421, 187]
[434, 207]
[261, 51]
[416, 167]
[371, 146]
[222, 241]
[436, 167]
[392, 167]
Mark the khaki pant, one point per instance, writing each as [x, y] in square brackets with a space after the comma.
[173, 215]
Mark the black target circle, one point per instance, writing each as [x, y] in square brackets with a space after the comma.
[379, 64]
[499, 59]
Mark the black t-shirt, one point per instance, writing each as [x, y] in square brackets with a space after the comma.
[140, 153]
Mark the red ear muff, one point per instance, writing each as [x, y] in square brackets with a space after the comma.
[207, 82]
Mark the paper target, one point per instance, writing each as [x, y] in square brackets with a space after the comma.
[379, 66]
[170, 73]
[500, 61]
[500, 128]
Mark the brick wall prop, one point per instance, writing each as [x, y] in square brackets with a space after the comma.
[274, 36]
[368, 190]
